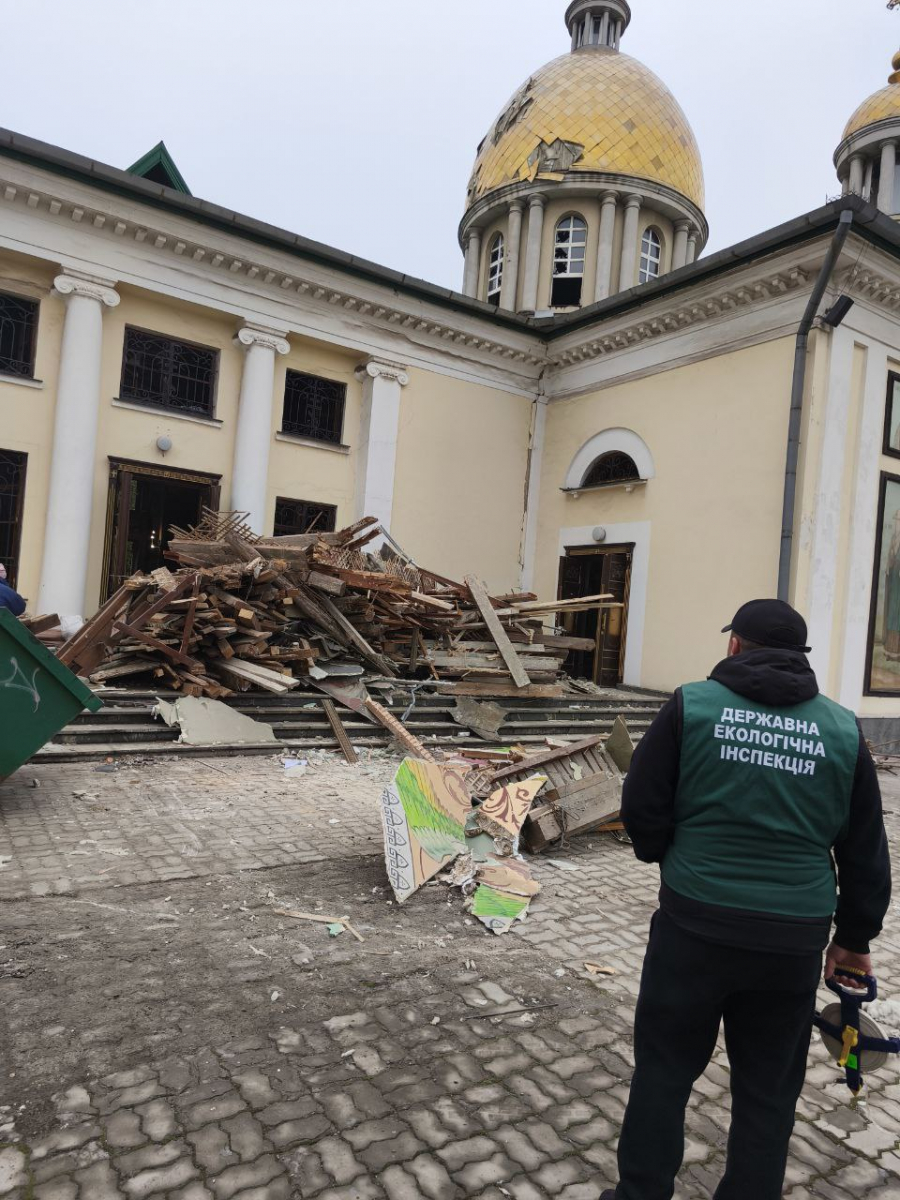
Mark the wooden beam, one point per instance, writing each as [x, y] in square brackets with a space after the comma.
[497, 632]
[337, 728]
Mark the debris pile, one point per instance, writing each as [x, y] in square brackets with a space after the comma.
[240, 612]
[471, 820]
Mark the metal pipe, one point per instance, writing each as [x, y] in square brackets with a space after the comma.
[797, 388]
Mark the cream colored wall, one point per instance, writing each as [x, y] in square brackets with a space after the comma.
[459, 491]
[716, 430]
[27, 413]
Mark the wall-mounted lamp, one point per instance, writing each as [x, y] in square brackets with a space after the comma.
[838, 311]
[599, 534]
[164, 444]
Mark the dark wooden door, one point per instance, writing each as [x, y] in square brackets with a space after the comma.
[594, 572]
[143, 506]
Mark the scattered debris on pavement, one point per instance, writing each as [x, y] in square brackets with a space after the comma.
[205, 722]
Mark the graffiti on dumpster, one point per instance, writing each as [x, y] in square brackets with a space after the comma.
[18, 681]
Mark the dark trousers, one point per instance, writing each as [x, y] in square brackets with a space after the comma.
[688, 988]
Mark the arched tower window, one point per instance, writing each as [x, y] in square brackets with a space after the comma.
[570, 245]
[495, 270]
[613, 467]
[651, 256]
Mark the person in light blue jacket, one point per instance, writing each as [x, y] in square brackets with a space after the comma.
[9, 597]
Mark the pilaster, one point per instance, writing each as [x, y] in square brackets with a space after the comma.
[886, 181]
[536, 206]
[383, 383]
[253, 436]
[514, 253]
[629, 243]
[73, 457]
[608, 206]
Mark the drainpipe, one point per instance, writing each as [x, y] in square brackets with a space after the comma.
[797, 388]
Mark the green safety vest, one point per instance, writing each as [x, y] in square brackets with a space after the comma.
[763, 794]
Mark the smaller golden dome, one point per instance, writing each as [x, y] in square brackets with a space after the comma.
[884, 105]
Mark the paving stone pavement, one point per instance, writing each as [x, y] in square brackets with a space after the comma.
[69, 828]
[420, 1094]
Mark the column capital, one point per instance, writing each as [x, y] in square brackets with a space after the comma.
[682, 226]
[101, 290]
[634, 201]
[259, 335]
[609, 198]
[473, 234]
[379, 368]
[538, 200]
[517, 206]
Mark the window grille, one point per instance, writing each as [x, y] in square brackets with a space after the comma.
[313, 407]
[18, 321]
[12, 496]
[495, 270]
[570, 245]
[651, 256]
[614, 467]
[303, 516]
[162, 372]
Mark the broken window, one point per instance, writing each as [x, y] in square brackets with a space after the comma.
[495, 270]
[614, 467]
[12, 497]
[164, 373]
[570, 245]
[313, 407]
[18, 321]
[303, 516]
[651, 256]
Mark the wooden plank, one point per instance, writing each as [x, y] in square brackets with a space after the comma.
[147, 639]
[403, 736]
[560, 605]
[326, 583]
[547, 756]
[433, 602]
[38, 625]
[498, 633]
[337, 728]
[378, 662]
[96, 629]
[502, 689]
[579, 813]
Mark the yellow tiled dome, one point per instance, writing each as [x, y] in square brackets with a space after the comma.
[880, 107]
[601, 108]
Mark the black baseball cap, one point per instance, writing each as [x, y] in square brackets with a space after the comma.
[770, 623]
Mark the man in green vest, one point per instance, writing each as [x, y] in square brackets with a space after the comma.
[759, 798]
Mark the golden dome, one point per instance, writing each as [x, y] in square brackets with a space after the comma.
[594, 110]
[880, 107]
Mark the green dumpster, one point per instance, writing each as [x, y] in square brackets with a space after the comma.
[38, 695]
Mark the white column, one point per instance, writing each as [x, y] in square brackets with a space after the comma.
[73, 462]
[473, 262]
[513, 256]
[629, 243]
[680, 245]
[856, 175]
[253, 435]
[382, 384]
[605, 247]
[528, 552]
[693, 238]
[886, 183]
[533, 252]
[604, 29]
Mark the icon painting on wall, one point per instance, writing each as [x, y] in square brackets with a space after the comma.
[884, 635]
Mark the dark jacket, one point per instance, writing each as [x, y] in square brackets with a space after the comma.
[9, 598]
[778, 678]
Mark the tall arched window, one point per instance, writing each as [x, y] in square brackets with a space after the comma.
[495, 270]
[651, 256]
[568, 262]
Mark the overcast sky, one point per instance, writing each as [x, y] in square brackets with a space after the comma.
[356, 123]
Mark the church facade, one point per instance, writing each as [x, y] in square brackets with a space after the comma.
[600, 409]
